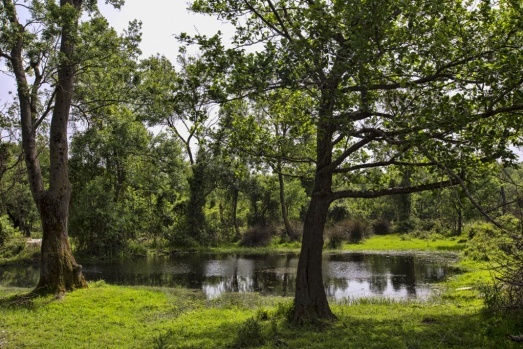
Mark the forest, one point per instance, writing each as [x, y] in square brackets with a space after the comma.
[320, 127]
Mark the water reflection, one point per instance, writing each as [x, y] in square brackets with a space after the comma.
[352, 275]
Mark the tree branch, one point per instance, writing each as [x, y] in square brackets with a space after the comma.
[370, 194]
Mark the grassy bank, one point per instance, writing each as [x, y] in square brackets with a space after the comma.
[403, 242]
[391, 242]
[16, 251]
[106, 316]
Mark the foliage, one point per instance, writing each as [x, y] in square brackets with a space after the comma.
[507, 292]
[486, 242]
[335, 237]
[6, 230]
[15, 195]
[15, 251]
[407, 225]
[381, 226]
[257, 236]
[351, 230]
[249, 335]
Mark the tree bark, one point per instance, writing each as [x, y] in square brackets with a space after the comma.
[59, 271]
[235, 193]
[284, 212]
[310, 300]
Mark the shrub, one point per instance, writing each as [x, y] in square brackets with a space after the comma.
[506, 249]
[357, 231]
[381, 226]
[486, 242]
[284, 310]
[6, 230]
[257, 236]
[407, 225]
[350, 230]
[338, 213]
[249, 335]
[297, 230]
[335, 236]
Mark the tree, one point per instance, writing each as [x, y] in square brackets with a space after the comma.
[417, 84]
[181, 100]
[31, 48]
[274, 131]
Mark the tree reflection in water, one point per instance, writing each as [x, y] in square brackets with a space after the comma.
[347, 275]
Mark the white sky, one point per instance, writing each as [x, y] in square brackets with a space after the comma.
[161, 20]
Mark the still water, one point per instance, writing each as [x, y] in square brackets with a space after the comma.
[346, 275]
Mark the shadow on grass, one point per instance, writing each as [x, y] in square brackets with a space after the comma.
[22, 300]
[410, 330]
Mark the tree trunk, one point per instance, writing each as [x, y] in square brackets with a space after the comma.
[284, 212]
[235, 193]
[460, 222]
[59, 271]
[310, 302]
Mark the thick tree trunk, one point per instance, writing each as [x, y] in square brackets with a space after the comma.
[310, 301]
[59, 271]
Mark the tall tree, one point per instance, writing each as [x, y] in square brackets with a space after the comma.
[181, 100]
[419, 84]
[30, 48]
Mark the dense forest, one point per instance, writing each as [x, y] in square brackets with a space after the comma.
[321, 122]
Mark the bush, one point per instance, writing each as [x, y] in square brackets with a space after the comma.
[284, 310]
[338, 213]
[6, 230]
[350, 230]
[357, 231]
[506, 249]
[407, 225]
[486, 242]
[297, 232]
[335, 237]
[257, 236]
[381, 226]
[249, 335]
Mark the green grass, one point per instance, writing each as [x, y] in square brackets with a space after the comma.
[106, 316]
[391, 242]
[396, 242]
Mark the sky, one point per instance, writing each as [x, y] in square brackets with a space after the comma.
[161, 20]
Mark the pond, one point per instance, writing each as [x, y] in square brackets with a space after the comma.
[346, 275]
